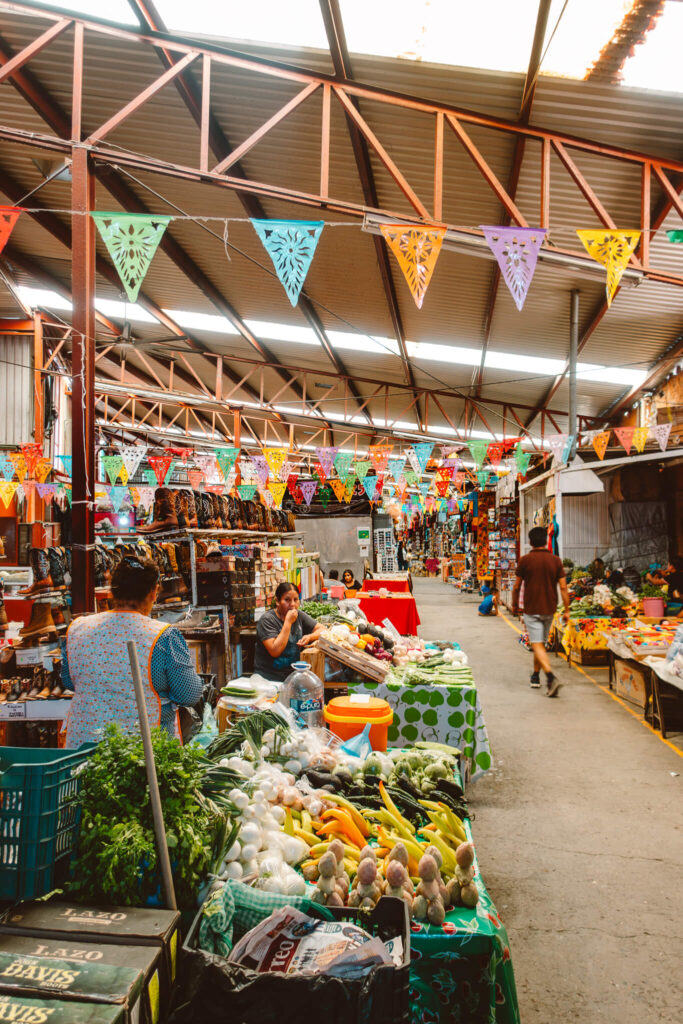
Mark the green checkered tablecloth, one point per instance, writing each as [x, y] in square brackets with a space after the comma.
[235, 909]
[442, 714]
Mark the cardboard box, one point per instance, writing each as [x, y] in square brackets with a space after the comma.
[155, 996]
[117, 926]
[32, 977]
[631, 683]
[21, 1010]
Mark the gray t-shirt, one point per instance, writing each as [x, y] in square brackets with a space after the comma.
[268, 627]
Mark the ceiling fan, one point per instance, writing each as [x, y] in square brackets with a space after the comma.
[174, 341]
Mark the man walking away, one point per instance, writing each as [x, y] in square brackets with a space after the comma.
[541, 572]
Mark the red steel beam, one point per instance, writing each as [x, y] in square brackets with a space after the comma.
[117, 119]
[109, 158]
[663, 366]
[83, 372]
[336, 39]
[43, 40]
[35, 93]
[214, 138]
[278, 69]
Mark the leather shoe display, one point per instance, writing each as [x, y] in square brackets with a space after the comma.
[165, 516]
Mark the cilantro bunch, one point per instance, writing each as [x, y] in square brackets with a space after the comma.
[116, 859]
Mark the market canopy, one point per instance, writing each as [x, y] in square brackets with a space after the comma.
[216, 137]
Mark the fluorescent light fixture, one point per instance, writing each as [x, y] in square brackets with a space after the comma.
[422, 351]
[471, 244]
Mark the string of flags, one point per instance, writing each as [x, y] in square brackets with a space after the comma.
[270, 475]
[132, 240]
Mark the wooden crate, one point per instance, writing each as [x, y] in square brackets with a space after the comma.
[631, 682]
[359, 661]
[315, 658]
[586, 656]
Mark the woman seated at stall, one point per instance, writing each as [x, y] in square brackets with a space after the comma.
[351, 584]
[97, 668]
[282, 633]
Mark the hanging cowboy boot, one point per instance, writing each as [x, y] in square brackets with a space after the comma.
[217, 512]
[36, 683]
[182, 554]
[24, 690]
[57, 615]
[56, 689]
[207, 506]
[15, 690]
[192, 510]
[199, 508]
[41, 620]
[57, 568]
[182, 509]
[5, 687]
[40, 565]
[164, 516]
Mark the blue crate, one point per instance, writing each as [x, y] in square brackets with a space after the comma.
[39, 817]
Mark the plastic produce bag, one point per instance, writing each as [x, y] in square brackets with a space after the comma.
[208, 729]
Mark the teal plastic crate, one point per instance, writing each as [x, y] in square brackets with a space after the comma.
[39, 818]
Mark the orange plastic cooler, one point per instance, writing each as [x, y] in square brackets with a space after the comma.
[347, 716]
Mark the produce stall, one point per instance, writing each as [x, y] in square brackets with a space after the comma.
[267, 815]
[429, 686]
[439, 703]
[400, 609]
[376, 584]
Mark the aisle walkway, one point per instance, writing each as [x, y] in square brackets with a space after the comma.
[579, 831]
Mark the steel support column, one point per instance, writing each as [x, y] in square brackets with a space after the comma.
[83, 392]
[573, 356]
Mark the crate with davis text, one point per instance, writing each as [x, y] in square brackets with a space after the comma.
[117, 926]
[156, 993]
[34, 977]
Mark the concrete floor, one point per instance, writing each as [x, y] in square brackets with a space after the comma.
[579, 833]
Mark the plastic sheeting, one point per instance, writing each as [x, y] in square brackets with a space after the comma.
[638, 534]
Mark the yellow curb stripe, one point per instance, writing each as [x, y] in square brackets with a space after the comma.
[610, 693]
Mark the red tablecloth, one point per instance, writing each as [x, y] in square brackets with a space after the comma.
[401, 610]
[393, 586]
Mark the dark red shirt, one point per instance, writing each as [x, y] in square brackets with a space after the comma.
[541, 572]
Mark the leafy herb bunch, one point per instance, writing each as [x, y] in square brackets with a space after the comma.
[116, 861]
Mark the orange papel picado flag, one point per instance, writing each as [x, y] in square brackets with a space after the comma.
[613, 249]
[417, 250]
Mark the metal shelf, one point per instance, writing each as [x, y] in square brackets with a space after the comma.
[35, 710]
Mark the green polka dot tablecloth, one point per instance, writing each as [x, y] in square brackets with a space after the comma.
[441, 714]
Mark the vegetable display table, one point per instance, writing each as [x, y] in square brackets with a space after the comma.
[586, 634]
[393, 586]
[401, 609]
[442, 714]
[463, 971]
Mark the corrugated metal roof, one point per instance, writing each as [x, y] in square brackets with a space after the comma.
[344, 283]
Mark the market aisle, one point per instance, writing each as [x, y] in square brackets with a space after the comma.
[579, 832]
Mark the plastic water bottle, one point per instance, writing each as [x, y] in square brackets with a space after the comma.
[304, 693]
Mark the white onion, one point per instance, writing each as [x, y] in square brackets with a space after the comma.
[258, 796]
[234, 870]
[278, 813]
[293, 766]
[249, 852]
[233, 853]
[251, 834]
